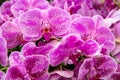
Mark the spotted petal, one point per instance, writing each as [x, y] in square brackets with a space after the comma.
[59, 20]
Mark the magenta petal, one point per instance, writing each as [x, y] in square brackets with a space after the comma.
[28, 48]
[117, 57]
[13, 1]
[44, 77]
[16, 58]
[98, 67]
[66, 48]
[84, 69]
[104, 34]
[58, 55]
[0, 32]
[84, 25]
[2, 75]
[47, 36]
[3, 52]
[61, 75]
[74, 16]
[118, 68]
[26, 38]
[54, 76]
[108, 47]
[5, 10]
[15, 73]
[59, 20]
[76, 69]
[105, 65]
[37, 4]
[77, 26]
[19, 7]
[87, 22]
[116, 50]
[36, 65]
[90, 47]
[66, 74]
[98, 19]
[84, 10]
[115, 15]
[116, 30]
[114, 76]
[75, 38]
[31, 49]
[45, 49]
[30, 23]
[11, 33]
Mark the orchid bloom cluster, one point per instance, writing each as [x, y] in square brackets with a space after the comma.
[60, 40]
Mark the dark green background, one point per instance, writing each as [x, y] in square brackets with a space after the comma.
[1, 1]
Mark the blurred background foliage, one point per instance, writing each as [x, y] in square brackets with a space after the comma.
[1, 1]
